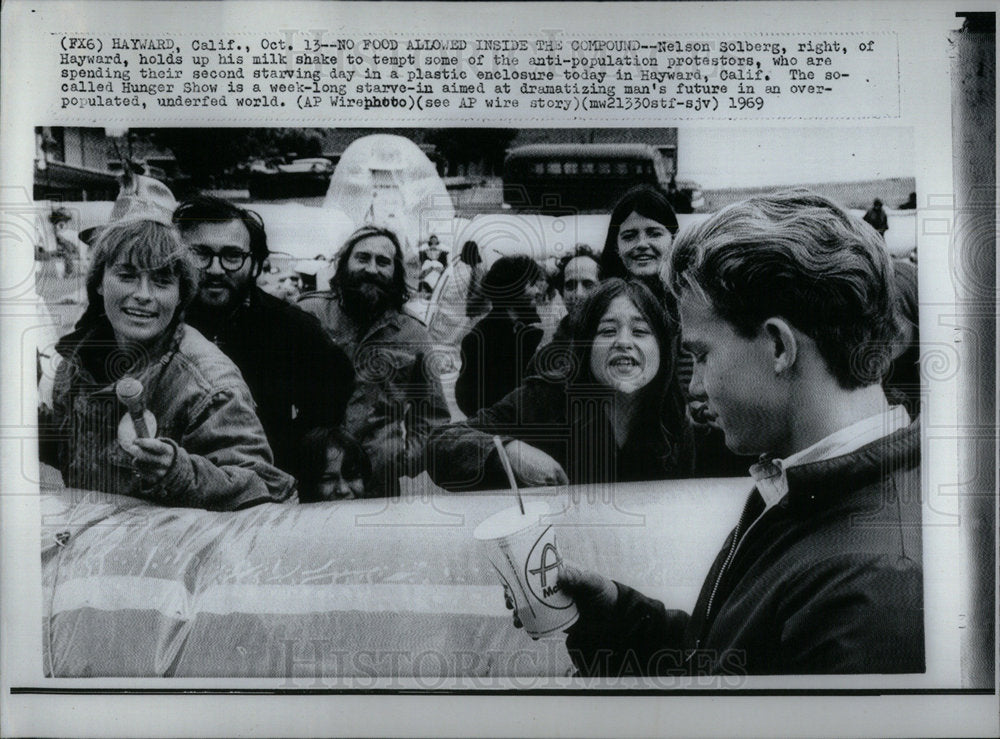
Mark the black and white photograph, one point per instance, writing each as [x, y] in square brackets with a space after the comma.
[366, 327]
[503, 408]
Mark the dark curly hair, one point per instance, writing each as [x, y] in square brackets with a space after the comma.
[648, 202]
[209, 209]
[580, 250]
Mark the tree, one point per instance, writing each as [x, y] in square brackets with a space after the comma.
[206, 153]
[468, 146]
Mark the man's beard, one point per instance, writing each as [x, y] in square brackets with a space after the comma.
[365, 297]
[221, 293]
[213, 307]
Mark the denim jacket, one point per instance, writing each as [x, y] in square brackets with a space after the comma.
[397, 399]
[202, 406]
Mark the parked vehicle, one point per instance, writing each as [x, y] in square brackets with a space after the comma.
[308, 177]
[567, 177]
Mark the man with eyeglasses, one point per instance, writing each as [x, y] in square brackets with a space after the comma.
[299, 378]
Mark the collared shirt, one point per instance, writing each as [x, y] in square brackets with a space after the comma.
[770, 474]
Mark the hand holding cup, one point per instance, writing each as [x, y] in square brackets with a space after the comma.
[595, 595]
[522, 549]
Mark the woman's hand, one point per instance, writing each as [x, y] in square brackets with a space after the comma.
[533, 467]
[152, 458]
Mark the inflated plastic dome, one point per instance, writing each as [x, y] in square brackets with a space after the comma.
[386, 180]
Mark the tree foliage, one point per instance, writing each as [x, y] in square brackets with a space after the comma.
[463, 147]
[207, 153]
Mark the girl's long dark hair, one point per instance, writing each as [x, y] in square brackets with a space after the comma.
[662, 404]
[648, 202]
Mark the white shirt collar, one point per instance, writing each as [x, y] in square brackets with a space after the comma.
[769, 474]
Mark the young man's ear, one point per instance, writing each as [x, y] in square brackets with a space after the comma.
[784, 344]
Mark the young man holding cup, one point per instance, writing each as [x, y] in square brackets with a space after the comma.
[786, 305]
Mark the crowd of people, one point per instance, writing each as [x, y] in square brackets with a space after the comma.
[776, 327]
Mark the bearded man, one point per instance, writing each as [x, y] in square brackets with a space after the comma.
[397, 398]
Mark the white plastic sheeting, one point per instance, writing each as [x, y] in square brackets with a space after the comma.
[342, 592]
[386, 180]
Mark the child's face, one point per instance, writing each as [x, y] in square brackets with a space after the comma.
[333, 485]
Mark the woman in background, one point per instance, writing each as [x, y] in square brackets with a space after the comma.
[637, 246]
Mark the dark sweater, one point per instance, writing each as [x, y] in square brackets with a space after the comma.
[569, 426]
[298, 377]
[496, 355]
[829, 580]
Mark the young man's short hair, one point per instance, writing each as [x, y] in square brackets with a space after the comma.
[799, 256]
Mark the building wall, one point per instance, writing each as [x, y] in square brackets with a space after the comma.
[86, 147]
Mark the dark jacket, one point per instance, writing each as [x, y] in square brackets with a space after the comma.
[202, 407]
[570, 427]
[397, 399]
[298, 377]
[829, 580]
[496, 355]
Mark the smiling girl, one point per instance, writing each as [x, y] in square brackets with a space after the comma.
[209, 449]
[641, 230]
[607, 410]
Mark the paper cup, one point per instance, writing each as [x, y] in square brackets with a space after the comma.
[522, 549]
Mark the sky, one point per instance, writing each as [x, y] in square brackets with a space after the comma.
[718, 157]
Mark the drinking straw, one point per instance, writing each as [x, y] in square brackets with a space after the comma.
[505, 461]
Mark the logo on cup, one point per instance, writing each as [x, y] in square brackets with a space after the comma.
[541, 572]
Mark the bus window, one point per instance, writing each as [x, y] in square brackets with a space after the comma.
[587, 176]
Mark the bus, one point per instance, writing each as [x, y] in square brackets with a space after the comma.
[568, 177]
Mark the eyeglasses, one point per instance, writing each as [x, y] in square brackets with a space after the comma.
[231, 260]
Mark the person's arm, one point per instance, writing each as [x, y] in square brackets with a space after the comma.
[853, 615]
[425, 409]
[620, 631]
[462, 456]
[324, 379]
[222, 460]
[50, 420]
[467, 394]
